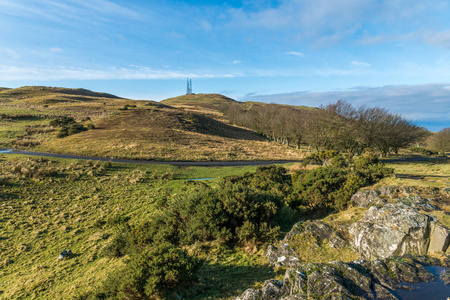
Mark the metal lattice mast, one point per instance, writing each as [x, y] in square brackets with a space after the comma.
[190, 86]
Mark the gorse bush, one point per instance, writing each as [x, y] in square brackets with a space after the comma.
[154, 273]
[68, 126]
[245, 211]
[70, 129]
[331, 186]
[316, 189]
[61, 121]
[238, 212]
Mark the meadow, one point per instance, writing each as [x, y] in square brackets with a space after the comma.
[49, 205]
[52, 205]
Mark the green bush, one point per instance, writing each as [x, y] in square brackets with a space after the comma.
[332, 186]
[70, 129]
[224, 214]
[61, 121]
[320, 157]
[316, 189]
[422, 151]
[155, 273]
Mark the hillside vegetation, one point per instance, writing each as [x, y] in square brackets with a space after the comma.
[109, 215]
[164, 232]
[124, 128]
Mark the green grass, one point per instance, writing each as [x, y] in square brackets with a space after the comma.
[52, 205]
[434, 173]
[310, 250]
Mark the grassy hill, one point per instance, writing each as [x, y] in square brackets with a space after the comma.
[211, 101]
[127, 128]
[217, 102]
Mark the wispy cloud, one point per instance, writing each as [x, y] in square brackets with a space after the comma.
[56, 50]
[295, 53]
[325, 22]
[426, 103]
[9, 73]
[91, 11]
[9, 53]
[360, 63]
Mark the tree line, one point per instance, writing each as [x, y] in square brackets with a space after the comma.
[337, 126]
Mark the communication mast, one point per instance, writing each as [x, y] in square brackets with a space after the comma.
[189, 87]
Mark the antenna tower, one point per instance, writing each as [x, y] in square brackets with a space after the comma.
[189, 87]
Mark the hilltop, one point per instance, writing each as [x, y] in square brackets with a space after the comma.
[211, 101]
[183, 128]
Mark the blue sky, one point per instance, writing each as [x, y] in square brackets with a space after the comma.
[393, 53]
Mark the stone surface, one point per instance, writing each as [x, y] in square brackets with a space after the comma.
[65, 254]
[418, 203]
[439, 239]
[367, 198]
[394, 229]
[272, 289]
[354, 280]
[250, 294]
[445, 276]
[284, 255]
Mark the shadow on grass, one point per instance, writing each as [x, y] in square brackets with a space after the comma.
[418, 177]
[225, 281]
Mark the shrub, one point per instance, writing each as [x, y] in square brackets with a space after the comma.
[315, 189]
[70, 129]
[422, 151]
[155, 272]
[320, 157]
[332, 186]
[242, 210]
[61, 121]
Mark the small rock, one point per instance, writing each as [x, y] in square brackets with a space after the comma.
[445, 276]
[250, 294]
[272, 289]
[65, 254]
[336, 241]
[365, 199]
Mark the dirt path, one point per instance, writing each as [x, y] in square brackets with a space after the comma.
[175, 163]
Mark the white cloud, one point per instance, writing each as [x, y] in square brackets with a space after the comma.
[56, 50]
[441, 38]
[235, 62]
[70, 73]
[360, 63]
[427, 103]
[206, 25]
[91, 11]
[10, 53]
[295, 53]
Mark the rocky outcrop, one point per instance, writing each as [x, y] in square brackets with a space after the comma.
[397, 229]
[393, 238]
[284, 255]
[338, 280]
[445, 276]
[368, 198]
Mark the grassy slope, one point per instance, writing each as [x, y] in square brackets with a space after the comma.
[43, 215]
[150, 131]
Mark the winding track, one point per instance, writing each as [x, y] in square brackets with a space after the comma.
[190, 163]
[174, 163]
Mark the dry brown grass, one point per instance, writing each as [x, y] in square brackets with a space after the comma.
[149, 131]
